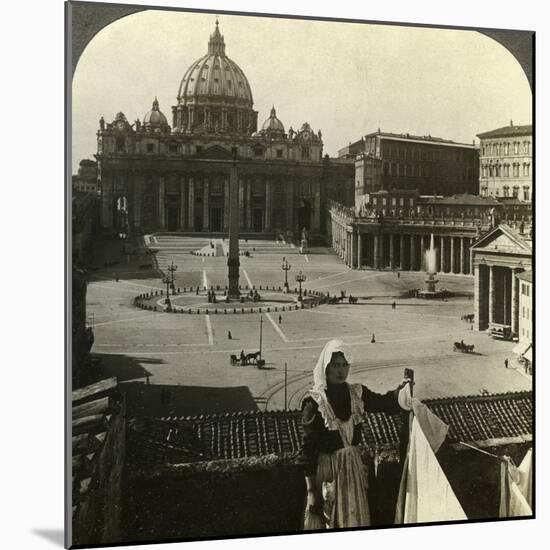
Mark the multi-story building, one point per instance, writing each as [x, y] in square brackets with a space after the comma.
[525, 331]
[506, 162]
[158, 177]
[384, 161]
[85, 179]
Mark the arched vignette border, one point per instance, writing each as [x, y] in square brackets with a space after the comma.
[85, 19]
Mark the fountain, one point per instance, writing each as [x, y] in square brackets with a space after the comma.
[431, 266]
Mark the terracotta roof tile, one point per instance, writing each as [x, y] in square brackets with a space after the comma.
[476, 419]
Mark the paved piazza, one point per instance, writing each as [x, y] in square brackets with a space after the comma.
[192, 352]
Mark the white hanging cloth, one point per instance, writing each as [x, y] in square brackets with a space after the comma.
[516, 487]
[425, 494]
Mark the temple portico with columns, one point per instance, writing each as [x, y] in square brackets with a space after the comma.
[497, 258]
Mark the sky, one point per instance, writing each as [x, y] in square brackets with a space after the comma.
[347, 79]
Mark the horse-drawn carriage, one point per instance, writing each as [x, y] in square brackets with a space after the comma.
[245, 359]
[464, 348]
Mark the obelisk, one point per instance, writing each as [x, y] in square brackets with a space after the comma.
[233, 260]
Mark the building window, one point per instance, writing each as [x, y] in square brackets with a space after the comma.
[305, 153]
[173, 147]
[258, 152]
[515, 170]
[506, 170]
[526, 194]
[506, 148]
[516, 147]
[515, 192]
[527, 147]
[526, 169]
[199, 148]
[120, 145]
[279, 153]
[505, 191]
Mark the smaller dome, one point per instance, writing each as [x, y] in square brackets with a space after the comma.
[273, 124]
[155, 118]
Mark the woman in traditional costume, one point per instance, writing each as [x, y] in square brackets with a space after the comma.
[332, 413]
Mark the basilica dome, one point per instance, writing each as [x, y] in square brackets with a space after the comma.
[214, 94]
[273, 124]
[155, 118]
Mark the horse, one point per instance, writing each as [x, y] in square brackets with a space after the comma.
[251, 358]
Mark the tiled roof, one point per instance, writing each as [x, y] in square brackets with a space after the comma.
[483, 420]
[508, 131]
[464, 199]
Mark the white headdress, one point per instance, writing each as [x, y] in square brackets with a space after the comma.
[318, 392]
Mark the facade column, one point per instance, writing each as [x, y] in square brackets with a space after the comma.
[316, 226]
[138, 192]
[161, 220]
[479, 299]
[492, 293]
[442, 265]
[268, 202]
[248, 204]
[401, 251]
[469, 258]
[242, 217]
[422, 253]
[226, 203]
[359, 251]
[462, 255]
[392, 253]
[412, 262]
[183, 202]
[191, 203]
[376, 238]
[205, 205]
[381, 263]
[452, 254]
[515, 303]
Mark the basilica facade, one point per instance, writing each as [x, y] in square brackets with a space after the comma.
[159, 176]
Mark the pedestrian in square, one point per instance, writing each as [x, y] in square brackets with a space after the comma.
[506, 363]
[280, 319]
[373, 339]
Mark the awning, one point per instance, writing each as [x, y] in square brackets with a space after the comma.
[523, 350]
[520, 348]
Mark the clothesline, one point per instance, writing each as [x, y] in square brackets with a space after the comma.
[481, 450]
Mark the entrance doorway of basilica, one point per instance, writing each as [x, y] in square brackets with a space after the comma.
[258, 220]
[172, 218]
[198, 223]
[216, 219]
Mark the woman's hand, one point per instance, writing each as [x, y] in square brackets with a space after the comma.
[314, 502]
[404, 382]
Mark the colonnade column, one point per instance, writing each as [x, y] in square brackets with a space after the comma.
[401, 252]
[381, 263]
[392, 253]
[411, 254]
[442, 264]
[422, 252]
[205, 205]
[376, 251]
[479, 297]
[462, 256]
[183, 202]
[515, 303]
[452, 254]
[359, 251]
[191, 204]
[492, 293]
[161, 202]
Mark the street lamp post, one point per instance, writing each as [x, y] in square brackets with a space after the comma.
[169, 281]
[286, 268]
[300, 278]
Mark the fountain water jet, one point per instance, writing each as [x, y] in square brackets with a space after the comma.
[431, 281]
